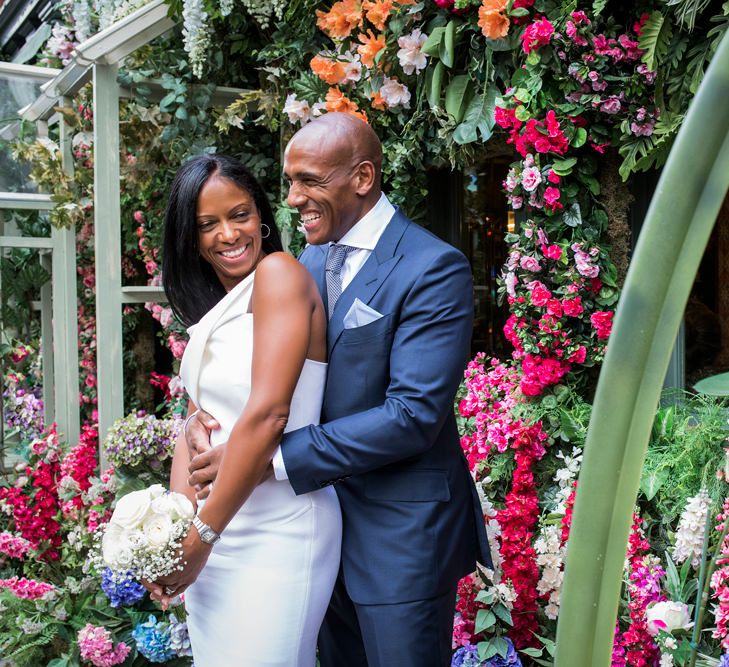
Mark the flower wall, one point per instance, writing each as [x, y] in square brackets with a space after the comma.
[581, 95]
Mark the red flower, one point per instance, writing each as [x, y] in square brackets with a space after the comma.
[602, 321]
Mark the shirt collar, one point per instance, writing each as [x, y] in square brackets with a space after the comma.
[367, 231]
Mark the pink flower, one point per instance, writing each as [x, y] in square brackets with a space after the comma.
[602, 321]
[551, 198]
[539, 294]
[529, 263]
[536, 35]
[553, 252]
[138, 217]
[554, 308]
[517, 202]
[553, 177]
[579, 356]
[96, 647]
[611, 105]
[531, 177]
[177, 346]
[573, 307]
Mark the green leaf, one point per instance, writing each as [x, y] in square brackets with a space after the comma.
[432, 44]
[181, 113]
[569, 425]
[564, 167]
[448, 45]
[166, 101]
[503, 613]
[436, 85]
[502, 646]
[519, 11]
[572, 216]
[580, 137]
[654, 39]
[716, 385]
[485, 596]
[598, 6]
[485, 619]
[532, 652]
[479, 118]
[652, 481]
[486, 650]
[458, 96]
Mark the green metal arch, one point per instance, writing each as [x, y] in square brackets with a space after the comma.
[671, 244]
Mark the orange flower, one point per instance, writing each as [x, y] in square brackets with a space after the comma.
[341, 19]
[371, 46]
[329, 70]
[378, 102]
[491, 19]
[337, 101]
[377, 12]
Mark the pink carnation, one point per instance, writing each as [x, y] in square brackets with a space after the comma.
[602, 321]
[13, 545]
[537, 35]
[540, 295]
[27, 589]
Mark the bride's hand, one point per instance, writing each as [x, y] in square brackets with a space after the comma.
[204, 469]
[194, 554]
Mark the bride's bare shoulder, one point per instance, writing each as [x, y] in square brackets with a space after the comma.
[280, 273]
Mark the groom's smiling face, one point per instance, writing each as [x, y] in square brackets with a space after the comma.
[323, 187]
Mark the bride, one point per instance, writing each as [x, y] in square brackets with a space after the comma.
[260, 562]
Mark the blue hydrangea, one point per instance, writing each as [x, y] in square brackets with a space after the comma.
[179, 638]
[153, 640]
[121, 591]
[467, 656]
[724, 660]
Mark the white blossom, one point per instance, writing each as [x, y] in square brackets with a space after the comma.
[691, 527]
[81, 20]
[352, 67]
[196, 34]
[263, 11]
[411, 57]
[550, 559]
[395, 94]
[299, 111]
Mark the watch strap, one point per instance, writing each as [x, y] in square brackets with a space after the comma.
[207, 534]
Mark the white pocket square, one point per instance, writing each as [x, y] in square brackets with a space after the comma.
[360, 314]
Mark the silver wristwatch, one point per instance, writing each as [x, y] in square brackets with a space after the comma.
[207, 534]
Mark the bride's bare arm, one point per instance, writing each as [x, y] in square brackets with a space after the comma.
[283, 302]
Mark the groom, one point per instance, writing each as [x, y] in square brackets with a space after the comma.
[400, 310]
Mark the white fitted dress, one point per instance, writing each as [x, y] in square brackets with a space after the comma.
[263, 593]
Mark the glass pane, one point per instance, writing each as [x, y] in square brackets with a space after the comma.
[16, 92]
[486, 220]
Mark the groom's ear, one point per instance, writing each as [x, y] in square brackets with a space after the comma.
[365, 178]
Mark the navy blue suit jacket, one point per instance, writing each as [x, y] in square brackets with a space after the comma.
[388, 439]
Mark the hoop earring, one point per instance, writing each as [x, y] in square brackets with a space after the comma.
[268, 231]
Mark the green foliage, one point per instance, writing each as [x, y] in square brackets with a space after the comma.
[685, 451]
[655, 39]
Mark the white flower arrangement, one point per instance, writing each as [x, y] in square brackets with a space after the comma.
[144, 533]
[690, 534]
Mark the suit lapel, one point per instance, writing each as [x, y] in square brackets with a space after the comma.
[370, 277]
[314, 259]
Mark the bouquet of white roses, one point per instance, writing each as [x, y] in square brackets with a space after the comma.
[144, 533]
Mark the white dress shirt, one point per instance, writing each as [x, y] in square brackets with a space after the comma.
[363, 236]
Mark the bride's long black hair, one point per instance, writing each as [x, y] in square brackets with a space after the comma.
[191, 286]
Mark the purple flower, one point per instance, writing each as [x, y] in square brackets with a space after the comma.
[511, 659]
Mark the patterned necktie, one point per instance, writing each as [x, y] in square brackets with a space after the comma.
[335, 259]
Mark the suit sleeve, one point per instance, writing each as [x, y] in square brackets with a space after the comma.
[430, 348]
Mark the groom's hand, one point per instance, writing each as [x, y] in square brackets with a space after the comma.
[197, 436]
[204, 469]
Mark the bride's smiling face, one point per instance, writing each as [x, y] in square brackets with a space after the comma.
[229, 230]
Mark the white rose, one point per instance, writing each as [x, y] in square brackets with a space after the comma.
[158, 529]
[156, 490]
[131, 509]
[174, 505]
[183, 506]
[115, 547]
[668, 616]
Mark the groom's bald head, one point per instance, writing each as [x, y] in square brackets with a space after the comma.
[334, 169]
